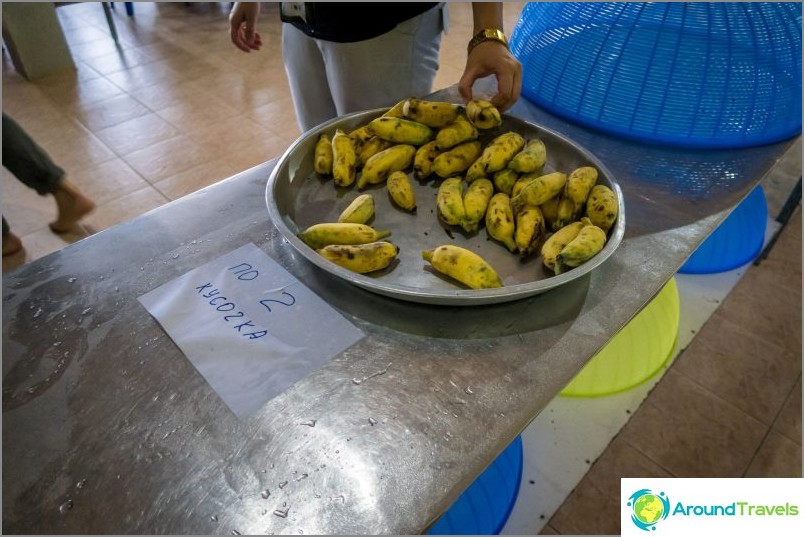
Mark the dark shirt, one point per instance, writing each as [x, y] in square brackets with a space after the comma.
[347, 22]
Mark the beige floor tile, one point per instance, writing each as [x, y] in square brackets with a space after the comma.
[197, 112]
[691, 432]
[777, 457]
[108, 181]
[258, 151]
[24, 209]
[279, 117]
[549, 530]
[119, 60]
[125, 208]
[137, 133]
[82, 91]
[159, 97]
[739, 367]
[169, 157]
[789, 421]
[44, 242]
[76, 148]
[110, 112]
[198, 177]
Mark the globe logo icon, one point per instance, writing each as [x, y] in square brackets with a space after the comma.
[648, 508]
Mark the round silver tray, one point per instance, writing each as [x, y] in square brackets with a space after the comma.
[297, 197]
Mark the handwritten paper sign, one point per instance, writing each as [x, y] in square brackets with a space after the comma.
[249, 326]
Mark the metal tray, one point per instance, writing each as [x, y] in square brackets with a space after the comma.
[297, 197]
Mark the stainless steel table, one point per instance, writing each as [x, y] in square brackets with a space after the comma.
[108, 428]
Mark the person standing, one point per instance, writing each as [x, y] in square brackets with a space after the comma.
[345, 57]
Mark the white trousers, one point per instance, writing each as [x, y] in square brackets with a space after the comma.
[328, 80]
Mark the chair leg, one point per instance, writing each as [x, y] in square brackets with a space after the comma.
[129, 8]
[108, 12]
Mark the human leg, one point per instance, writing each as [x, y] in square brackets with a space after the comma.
[11, 243]
[29, 163]
[379, 72]
[307, 78]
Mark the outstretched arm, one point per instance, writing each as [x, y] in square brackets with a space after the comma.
[491, 57]
[243, 26]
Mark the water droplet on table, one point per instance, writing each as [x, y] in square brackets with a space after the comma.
[81, 484]
[309, 423]
[281, 513]
[66, 506]
[283, 484]
[372, 422]
[265, 494]
[213, 518]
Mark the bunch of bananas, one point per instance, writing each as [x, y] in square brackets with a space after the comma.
[504, 186]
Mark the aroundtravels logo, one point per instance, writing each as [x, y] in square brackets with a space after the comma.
[648, 508]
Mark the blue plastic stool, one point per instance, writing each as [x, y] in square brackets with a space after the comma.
[693, 74]
[484, 508]
[736, 241]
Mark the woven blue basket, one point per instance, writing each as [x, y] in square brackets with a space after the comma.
[484, 508]
[694, 74]
[736, 241]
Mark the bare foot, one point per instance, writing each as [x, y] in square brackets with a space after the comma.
[72, 204]
[11, 244]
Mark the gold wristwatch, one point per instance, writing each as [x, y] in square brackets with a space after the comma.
[489, 34]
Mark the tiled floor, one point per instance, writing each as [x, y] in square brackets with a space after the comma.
[176, 107]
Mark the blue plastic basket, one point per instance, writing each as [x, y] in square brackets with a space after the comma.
[484, 508]
[736, 241]
[694, 74]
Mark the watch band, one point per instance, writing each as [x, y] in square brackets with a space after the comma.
[488, 34]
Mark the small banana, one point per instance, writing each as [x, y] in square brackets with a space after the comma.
[401, 191]
[401, 131]
[531, 158]
[463, 265]
[530, 230]
[459, 131]
[500, 223]
[589, 241]
[320, 235]
[397, 110]
[558, 240]
[521, 182]
[505, 179]
[602, 207]
[483, 114]
[449, 202]
[550, 213]
[361, 258]
[579, 185]
[379, 166]
[431, 113]
[565, 211]
[476, 202]
[323, 155]
[344, 159]
[539, 190]
[496, 155]
[424, 159]
[457, 159]
[371, 147]
[360, 136]
[359, 211]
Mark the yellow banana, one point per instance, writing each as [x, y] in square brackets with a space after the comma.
[550, 213]
[558, 240]
[401, 131]
[505, 179]
[344, 159]
[565, 211]
[463, 265]
[589, 241]
[579, 185]
[359, 211]
[323, 155]
[456, 160]
[361, 258]
[360, 136]
[424, 159]
[371, 147]
[401, 191]
[602, 208]
[529, 230]
[379, 166]
[531, 158]
[500, 223]
[483, 114]
[459, 131]
[397, 110]
[539, 190]
[431, 113]
[521, 182]
[320, 235]
[449, 202]
[476, 202]
[496, 155]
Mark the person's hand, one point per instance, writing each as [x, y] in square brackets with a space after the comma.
[243, 26]
[487, 58]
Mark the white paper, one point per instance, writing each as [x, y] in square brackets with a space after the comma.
[249, 326]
